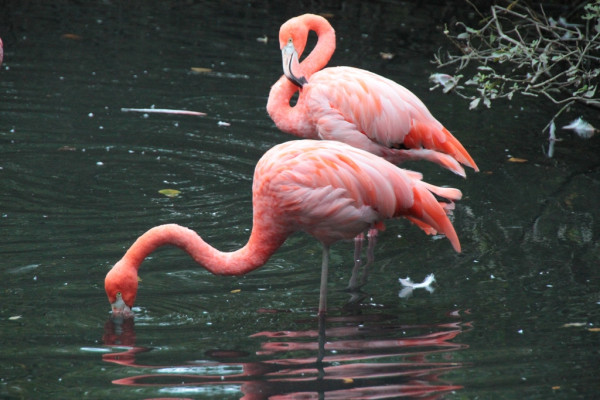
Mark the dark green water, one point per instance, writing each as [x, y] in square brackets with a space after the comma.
[516, 315]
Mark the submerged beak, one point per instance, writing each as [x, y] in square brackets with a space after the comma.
[120, 309]
[291, 66]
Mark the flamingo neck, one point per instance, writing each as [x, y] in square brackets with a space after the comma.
[294, 120]
[254, 254]
[325, 47]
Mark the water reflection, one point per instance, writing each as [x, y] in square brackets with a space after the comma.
[367, 355]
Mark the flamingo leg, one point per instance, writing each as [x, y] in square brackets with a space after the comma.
[354, 282]
[324, 271]
[372, 235]
[358, 242]
[322, 340]
[323, 310]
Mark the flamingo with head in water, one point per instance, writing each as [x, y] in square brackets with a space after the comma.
[328, 189]
[354, 106]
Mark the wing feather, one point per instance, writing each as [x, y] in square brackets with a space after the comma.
[350, 105]
[335, 191]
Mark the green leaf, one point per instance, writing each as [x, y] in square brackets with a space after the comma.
[169, 192]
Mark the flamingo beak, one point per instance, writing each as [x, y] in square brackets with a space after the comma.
[291, 66]
[120, 309]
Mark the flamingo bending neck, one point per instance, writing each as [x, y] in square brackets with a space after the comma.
[289, 119]
[293, 119]
[253, 255]
[261, 245]
[297, 30]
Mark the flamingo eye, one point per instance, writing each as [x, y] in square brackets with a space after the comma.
[119, 294]
[290, 41]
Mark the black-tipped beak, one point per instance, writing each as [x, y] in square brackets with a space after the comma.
[291, 66]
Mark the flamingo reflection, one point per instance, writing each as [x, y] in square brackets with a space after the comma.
[365, 356]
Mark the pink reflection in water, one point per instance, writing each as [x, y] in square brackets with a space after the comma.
[357, 357]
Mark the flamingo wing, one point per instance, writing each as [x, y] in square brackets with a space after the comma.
[369, 111]
[335, 191]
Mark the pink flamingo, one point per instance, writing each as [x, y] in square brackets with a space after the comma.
[328, 189]
[354, 106]
[1, 51]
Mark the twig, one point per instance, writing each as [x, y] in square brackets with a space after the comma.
[519, 50]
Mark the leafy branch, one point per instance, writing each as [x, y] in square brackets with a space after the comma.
[517, 50]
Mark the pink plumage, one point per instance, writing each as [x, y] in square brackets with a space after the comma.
[355, 106]
[334, 191]
[328, 189]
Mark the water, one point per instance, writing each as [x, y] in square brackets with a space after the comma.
[515, 315]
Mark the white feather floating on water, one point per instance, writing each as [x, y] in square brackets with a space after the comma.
[409, 285]
[163, 111]
[582, 128]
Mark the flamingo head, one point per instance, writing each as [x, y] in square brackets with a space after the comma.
[293, 37]
[121, 284]
[292, 41]
[294, 32]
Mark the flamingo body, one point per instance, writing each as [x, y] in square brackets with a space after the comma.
[328, 189]
[355, 106]
[335, 192]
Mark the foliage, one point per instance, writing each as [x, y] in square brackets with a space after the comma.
[518, 50]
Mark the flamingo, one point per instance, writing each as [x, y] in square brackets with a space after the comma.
[1, 51]
[328, 189]
[354, 106]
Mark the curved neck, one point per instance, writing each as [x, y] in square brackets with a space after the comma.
[261, 245]
[293, 120]
[325, 47]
